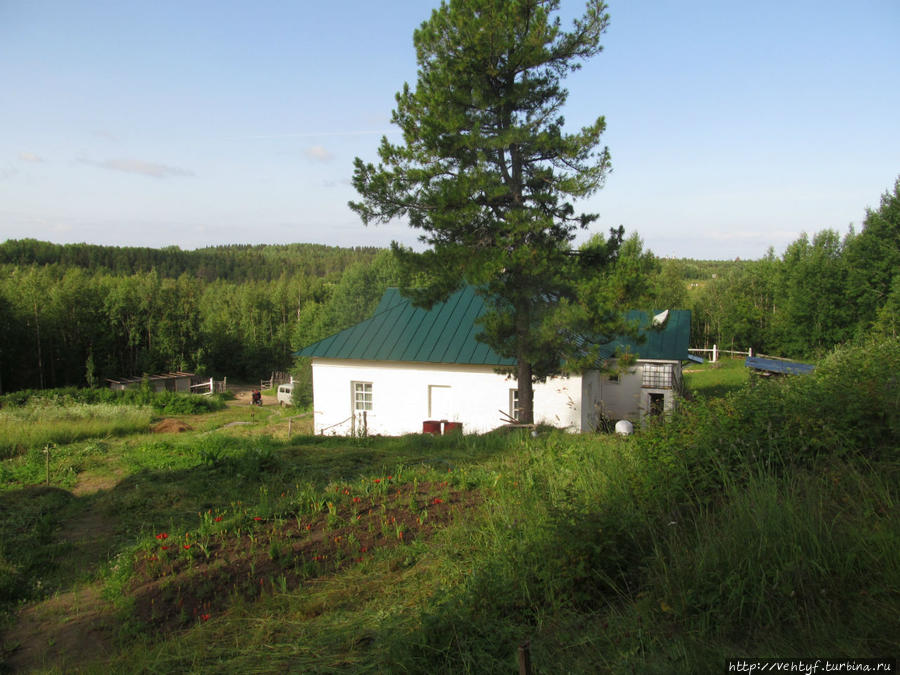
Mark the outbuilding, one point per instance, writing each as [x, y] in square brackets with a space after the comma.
[408, 369]
[177, 381]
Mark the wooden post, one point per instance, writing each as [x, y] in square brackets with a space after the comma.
[525, 658]
[365, 424]
[47, 457]
[290, 425]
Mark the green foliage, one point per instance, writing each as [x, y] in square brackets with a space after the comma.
[77, 314]
[819, 294]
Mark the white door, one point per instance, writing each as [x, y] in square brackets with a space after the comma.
[440, 402]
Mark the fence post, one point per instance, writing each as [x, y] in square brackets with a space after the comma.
[525, 658]
[715, 353]
[750, 352]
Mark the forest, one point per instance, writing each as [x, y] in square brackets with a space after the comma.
[75, 314]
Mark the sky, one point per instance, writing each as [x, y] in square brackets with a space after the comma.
[733, 127]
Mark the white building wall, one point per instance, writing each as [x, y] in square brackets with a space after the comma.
[406, 394]
[622, 399]
[618, 400]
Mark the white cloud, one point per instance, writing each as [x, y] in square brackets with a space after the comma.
[318, 153]
[30, 157]
[139, 167]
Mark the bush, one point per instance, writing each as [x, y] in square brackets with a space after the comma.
[164, 402]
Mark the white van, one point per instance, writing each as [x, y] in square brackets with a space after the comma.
[286, 394]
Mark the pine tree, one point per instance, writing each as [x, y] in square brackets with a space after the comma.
[487, 173]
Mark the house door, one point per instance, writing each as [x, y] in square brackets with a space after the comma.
[657, 404]
[440, 402]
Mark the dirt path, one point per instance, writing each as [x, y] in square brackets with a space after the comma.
[243, 394]
[53, 633]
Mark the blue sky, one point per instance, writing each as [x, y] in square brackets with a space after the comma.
[732, 126]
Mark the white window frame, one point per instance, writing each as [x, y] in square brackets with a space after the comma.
[362, 396]
[514, 409]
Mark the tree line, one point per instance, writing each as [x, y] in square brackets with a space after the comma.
[235, 263]
[821, 292]
[64, 324]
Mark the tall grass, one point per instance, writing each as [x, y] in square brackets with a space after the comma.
[40, 423]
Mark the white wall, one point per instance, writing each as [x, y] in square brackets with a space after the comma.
[622, 400]
[617, 400]
[406, 394]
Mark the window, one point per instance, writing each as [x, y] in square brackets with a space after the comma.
[657, 375]
[514, 403]
[613, 378]
[362, 396]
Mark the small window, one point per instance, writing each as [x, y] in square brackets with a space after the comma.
[613, 378]
[657, 375]
[514, 403]
[362, 396]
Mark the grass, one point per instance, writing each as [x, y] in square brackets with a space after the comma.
[39, 424]
[714, 380]
[720, 534]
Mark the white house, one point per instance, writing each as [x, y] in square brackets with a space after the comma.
[405, 369]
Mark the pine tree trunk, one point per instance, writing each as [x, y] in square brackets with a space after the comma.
[526, 393]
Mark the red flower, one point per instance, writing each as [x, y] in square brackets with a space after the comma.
[438, 500]
[390, 478]
[364, 549]
[165, 548]
[204, 617]
[257, 518]
[346, 491]
[162, 535]
[186, 547]
[377, 480]
[356, 500]
[218, 519]
[308, 526]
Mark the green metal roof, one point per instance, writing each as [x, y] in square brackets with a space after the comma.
[669, 341]
[446, 334]
[400, 332]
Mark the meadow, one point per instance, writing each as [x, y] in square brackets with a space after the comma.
[762, 519]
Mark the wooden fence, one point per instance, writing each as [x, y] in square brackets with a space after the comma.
[210, 387]
[277, 378]
[715, 352]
